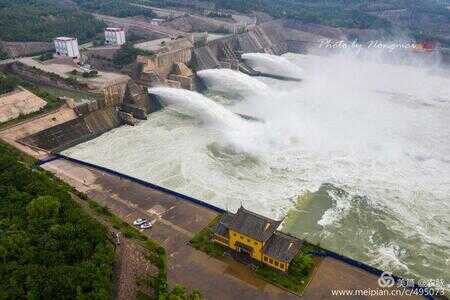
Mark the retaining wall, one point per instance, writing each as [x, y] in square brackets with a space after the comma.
[205, 58]
[75, 131]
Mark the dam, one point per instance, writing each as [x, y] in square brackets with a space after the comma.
[353, 161]
[340, 153]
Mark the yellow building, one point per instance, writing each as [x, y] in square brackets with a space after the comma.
[257, 237]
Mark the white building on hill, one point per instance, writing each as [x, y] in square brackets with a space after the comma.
[114, 36]
[67, 46]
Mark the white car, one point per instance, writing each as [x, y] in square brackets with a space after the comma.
[146, 225]
[139, 222]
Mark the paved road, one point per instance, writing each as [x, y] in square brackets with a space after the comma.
[140, 25]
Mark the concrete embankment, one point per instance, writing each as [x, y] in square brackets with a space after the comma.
[75, 131]
[121, 104]
[226, 51]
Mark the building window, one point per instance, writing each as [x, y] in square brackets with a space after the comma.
[270, 261]
[248, 240]
[276, 263]
[256, 243]
[241, 237]
[282, 266]
[234, 234]
[265, 258]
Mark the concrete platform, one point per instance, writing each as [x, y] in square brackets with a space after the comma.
[33, 125]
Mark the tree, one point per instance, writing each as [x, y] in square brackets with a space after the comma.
[49, 248]
[43, 20]
[126, 55]
[301, 265]
[44, 208]
[7, 84]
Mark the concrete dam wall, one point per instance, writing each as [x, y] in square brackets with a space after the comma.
[127, 103]
[66, 135]
[122, 104]
[264, 38]
[205, 58]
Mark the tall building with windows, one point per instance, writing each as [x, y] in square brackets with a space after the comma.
[67, 46]
[114, 36]
[256, 236]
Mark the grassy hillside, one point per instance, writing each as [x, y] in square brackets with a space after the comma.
[49, 248]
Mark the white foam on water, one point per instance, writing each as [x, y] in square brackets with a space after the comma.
[389, 257]
[340, 208]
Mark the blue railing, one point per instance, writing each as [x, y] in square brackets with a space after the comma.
[133, 179]
[421, 290]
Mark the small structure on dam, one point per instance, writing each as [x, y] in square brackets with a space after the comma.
[114, 36]
[67, 46]
[256, 236]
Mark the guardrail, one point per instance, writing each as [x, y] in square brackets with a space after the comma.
[56, 156]
[424, 291]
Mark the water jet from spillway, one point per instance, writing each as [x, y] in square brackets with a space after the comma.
[272, 64]
[197, 105]
[227, 81]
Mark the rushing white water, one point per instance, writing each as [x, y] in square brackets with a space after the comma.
[272, 64]
[371, 141]
[197, 105]
[233, 82]
[214, 115]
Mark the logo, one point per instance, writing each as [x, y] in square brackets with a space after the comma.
[386, 280]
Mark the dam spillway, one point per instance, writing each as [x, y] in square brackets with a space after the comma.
[356, 161]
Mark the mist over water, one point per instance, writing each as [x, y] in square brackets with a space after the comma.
[357, 154]
[233, 83]
[272, 64]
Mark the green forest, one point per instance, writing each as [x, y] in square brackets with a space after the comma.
[49, 248]
[117, 8]
[7, 83]
[43, 20]
[425, 19]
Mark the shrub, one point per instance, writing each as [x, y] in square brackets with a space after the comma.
[45, 56]
[8, 83]
[301, 265]
[202, 240]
